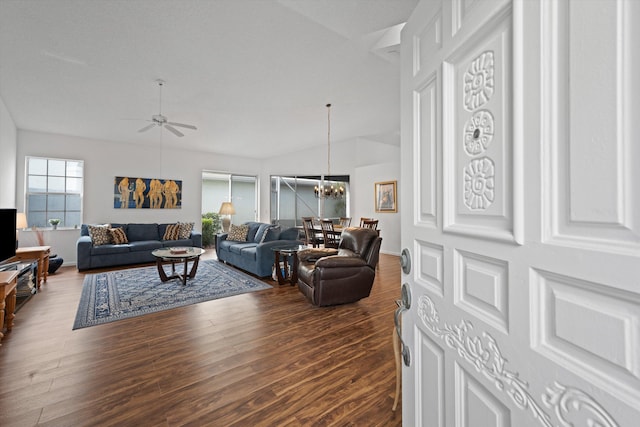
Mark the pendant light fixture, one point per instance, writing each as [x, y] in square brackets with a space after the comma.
[327, 190]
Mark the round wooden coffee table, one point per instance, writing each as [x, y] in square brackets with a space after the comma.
[174, 255]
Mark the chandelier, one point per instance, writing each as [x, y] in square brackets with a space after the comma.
[328, 190]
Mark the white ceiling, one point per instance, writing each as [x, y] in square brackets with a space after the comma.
[253, 75]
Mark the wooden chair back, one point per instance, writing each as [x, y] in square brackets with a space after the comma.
[363, 219]
[310, 237]
[345, 222]
[370, 223]
[331, 237]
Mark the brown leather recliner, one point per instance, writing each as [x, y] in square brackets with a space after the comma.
[331, 277]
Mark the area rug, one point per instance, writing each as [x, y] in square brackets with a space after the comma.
[116, 295]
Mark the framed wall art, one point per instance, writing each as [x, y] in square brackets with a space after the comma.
[386, 196]
[146, 193]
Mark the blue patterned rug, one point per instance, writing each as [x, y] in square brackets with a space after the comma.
[115, 295]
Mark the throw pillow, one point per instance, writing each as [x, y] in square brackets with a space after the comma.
[238, 233]
[100, 234]
[271, 233]
[118, 236]
[185, 229]
[172, 232]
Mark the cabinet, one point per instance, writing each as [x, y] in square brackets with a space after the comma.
[8, 282]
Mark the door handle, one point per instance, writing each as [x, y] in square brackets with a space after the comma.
[403, 305]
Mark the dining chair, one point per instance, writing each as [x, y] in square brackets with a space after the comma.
[345, 222]
[330, 235]
[363, 219]
[310, 233]
[370, 223]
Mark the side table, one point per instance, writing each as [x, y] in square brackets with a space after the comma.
[41, 253]
[289, 272]
[8, 283]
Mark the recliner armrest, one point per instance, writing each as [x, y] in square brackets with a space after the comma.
[311, 254]
[338, 261]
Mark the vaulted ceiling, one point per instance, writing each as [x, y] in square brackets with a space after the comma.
[253, 75]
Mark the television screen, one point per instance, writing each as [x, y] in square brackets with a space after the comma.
[7, 234]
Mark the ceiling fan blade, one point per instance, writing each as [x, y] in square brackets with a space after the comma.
[182, 125]
[146, 128]
[173, 130]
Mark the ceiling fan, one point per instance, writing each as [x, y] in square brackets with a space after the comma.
[160, 120]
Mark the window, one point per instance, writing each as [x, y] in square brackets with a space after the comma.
[241, 190]
[54, 190]
[293, 197]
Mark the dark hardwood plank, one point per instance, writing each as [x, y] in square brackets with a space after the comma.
[267, 358]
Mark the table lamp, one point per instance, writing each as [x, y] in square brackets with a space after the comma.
[227, 210]
[21, 223]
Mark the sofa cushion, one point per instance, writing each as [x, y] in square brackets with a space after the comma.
[110, 249]
[172, 232]
[144, 245]
[118, 236]
[260, 233]
[237, 248]
[140, 232]
[253, 230]
[99, 234]
[238, 233]
[185, 229]
[270, 234]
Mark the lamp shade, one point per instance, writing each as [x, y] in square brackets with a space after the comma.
[21, 220]
[227, 209]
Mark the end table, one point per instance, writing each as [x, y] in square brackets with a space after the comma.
[286, 274]
[41, 253]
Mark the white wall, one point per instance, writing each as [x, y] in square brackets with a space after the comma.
[365, 161]
[388, 223]
[104, 160]
[8, 147]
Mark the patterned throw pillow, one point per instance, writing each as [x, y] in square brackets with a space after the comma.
[172, 232]
[99, 234]
[118, 236]
[185, 229]
[238, 233]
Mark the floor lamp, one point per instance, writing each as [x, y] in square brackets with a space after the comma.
[227, 210]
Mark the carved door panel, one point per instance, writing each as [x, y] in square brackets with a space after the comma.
[521, 213]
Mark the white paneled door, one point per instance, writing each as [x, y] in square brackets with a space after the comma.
[521, 213]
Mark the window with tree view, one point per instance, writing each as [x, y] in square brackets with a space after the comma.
[54, 191]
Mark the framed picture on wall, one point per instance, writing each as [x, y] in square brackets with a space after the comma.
[146, 193]
[386, 196]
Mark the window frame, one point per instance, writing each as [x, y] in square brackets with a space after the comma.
[67, 194]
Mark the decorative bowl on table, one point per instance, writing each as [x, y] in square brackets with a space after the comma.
[179, 250]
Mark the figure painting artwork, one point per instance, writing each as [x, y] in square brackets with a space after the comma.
[146, 193]
[385, 196]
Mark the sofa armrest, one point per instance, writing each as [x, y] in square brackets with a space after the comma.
[221, 237]
[289, 234]
[196, 238]
[264, 249]
[83, 252]
[267, 246]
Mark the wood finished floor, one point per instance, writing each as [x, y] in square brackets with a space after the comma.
[266, 358]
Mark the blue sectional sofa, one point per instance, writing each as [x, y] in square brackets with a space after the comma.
[255, 255]
[143, 239]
